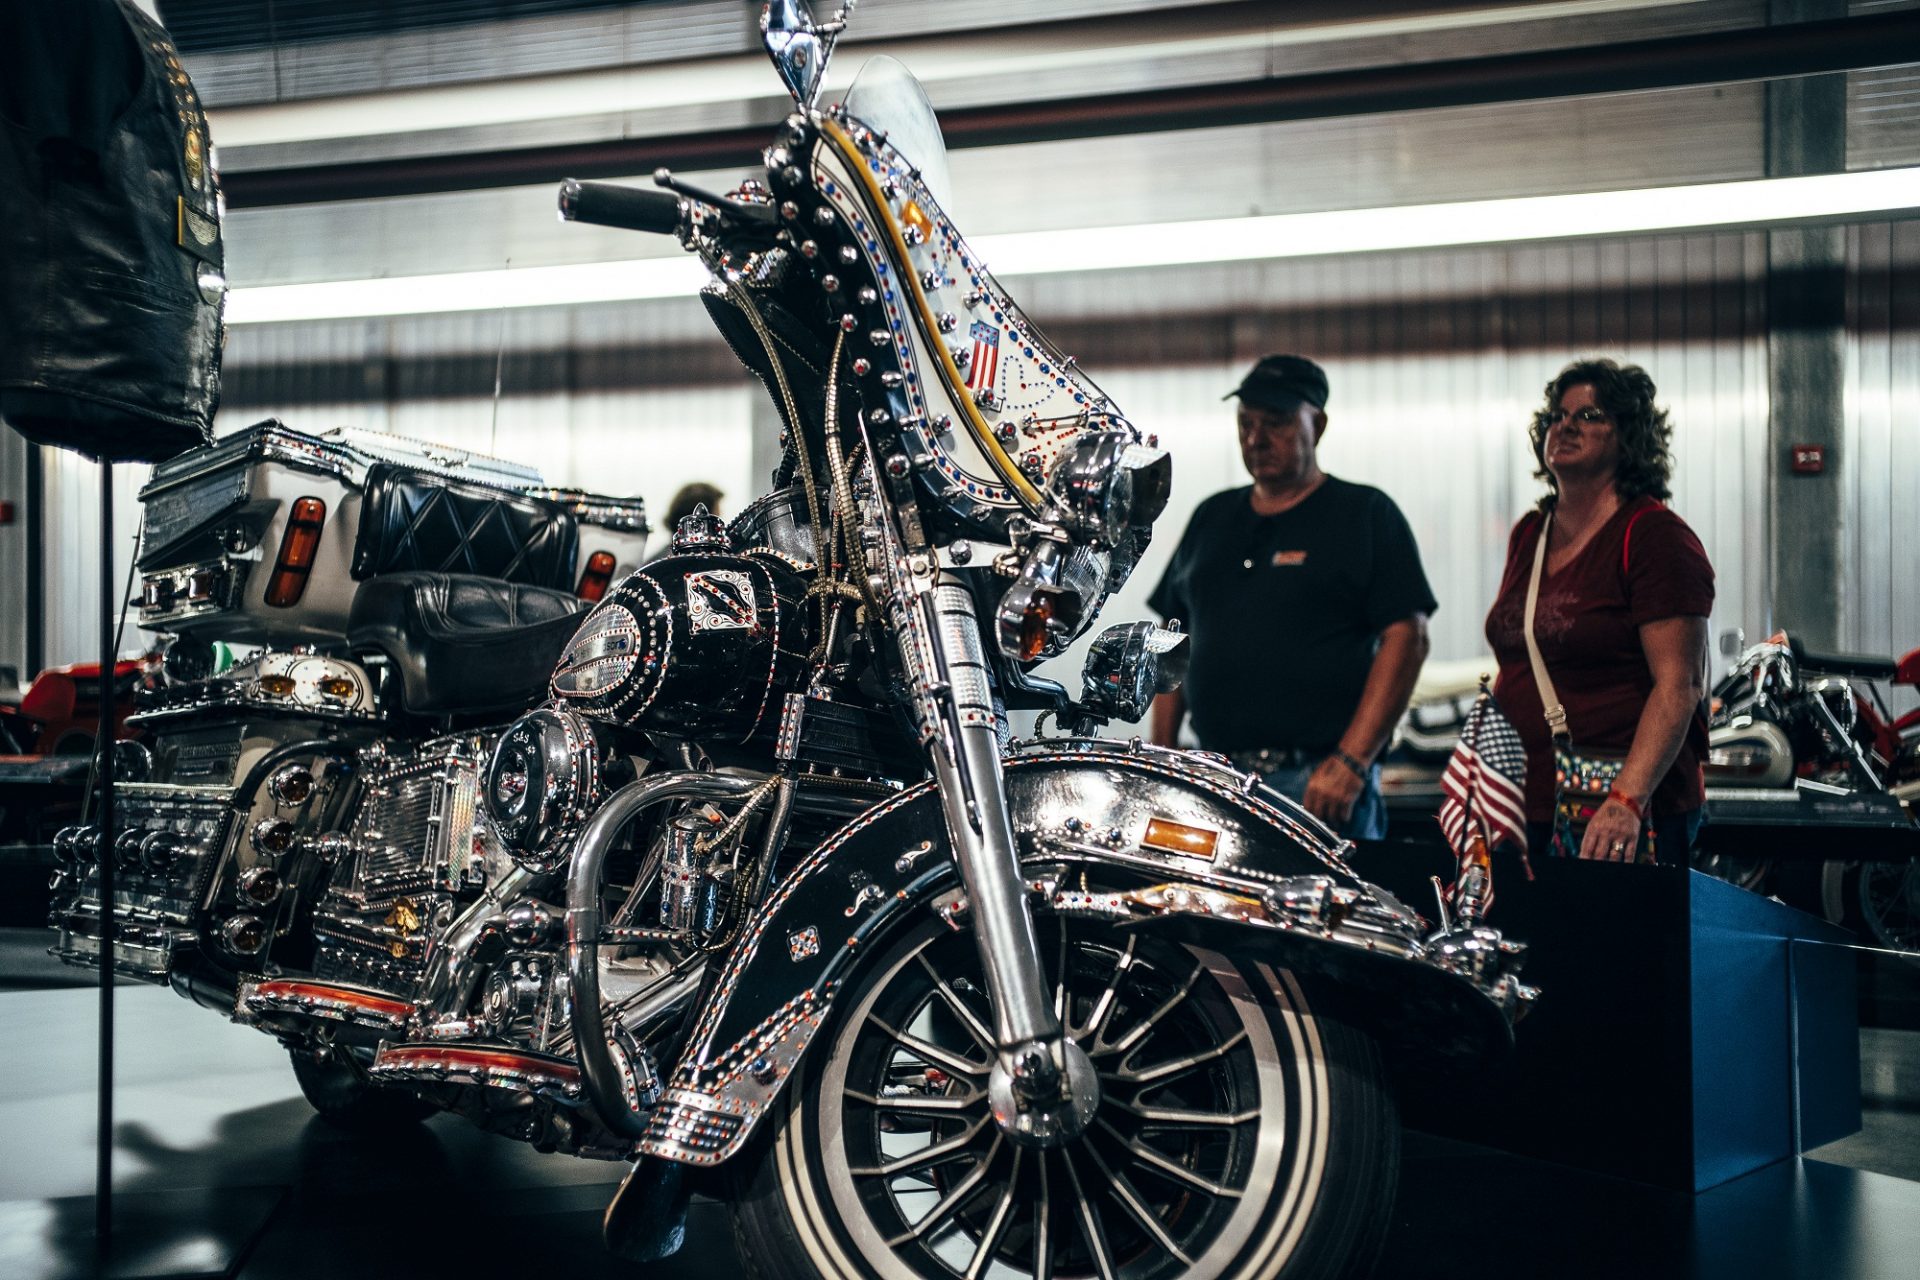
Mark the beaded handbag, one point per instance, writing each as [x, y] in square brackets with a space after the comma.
[1581, 779]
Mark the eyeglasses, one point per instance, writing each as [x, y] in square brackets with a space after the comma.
[1590, 415]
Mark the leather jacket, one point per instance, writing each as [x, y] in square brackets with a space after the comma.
[112, 272]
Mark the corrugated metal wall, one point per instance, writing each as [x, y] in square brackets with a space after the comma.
[1436, 362]
[1880, 465]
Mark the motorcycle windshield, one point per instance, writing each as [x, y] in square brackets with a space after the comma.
[983, 401]
[886, 97]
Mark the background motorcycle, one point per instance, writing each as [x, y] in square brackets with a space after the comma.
[1803, 749]
[762, 899]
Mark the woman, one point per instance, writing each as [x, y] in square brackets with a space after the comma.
[1621, 617]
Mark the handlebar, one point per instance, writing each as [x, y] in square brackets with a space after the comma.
[610, 205]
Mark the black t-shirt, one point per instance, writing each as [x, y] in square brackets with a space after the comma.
[1286, 611]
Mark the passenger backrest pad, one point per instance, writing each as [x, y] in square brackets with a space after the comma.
[414, 520]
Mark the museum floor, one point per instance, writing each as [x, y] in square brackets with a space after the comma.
[210, 1122]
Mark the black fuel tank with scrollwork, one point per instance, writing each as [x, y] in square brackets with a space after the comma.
[111, 263]
[703, 645]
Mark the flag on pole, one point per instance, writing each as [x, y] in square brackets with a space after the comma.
[1483, 791]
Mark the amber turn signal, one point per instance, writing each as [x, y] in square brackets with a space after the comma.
[1178, 837]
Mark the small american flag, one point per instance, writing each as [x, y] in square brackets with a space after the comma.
[984, 367]
[1485, 786]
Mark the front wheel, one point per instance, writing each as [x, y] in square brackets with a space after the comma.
[1241, 1134]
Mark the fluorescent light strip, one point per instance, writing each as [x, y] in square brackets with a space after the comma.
[1760, 203]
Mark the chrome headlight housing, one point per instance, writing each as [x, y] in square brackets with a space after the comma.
[1107, 485]
[1127, 665]
[541, 783]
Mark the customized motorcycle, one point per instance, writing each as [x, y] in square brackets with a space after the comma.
[1801, 743]
[761, 898]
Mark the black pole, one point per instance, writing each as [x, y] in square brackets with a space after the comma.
[103, 749]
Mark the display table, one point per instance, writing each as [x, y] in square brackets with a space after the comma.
[1688, 1032]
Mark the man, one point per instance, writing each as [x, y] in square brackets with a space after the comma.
[1307, 607]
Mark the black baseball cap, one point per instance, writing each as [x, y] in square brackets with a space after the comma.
[1282, 384]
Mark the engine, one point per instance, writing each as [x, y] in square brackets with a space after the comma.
[246, 771]
[418, 847]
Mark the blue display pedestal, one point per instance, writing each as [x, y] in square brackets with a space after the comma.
[1688, 1032]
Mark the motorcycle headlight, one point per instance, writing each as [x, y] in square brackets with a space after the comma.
[540, 783]
[1127, 665]
[1106, 485]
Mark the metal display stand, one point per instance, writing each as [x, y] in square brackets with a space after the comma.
[147, 1234]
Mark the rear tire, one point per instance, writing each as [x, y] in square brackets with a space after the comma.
[1254, 1131]
[337, 1087]
[1878, 900]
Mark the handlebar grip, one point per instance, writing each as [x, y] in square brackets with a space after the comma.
[609, 205]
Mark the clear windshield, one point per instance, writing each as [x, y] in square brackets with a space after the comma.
[886, 97]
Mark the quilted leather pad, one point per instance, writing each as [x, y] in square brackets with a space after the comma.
[413, 520]
[464, 645]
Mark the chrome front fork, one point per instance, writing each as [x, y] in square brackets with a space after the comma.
[1043, 1088]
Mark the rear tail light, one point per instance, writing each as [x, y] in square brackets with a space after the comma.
[596, 576]
[297, 548]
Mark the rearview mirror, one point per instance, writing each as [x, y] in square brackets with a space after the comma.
[799, 46]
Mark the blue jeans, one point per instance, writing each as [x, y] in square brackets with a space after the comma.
[1369, 818]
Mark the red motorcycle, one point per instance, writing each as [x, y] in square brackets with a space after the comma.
[59, 713]
[1805, 754]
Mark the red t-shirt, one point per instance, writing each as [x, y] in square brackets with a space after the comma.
[1588, 626]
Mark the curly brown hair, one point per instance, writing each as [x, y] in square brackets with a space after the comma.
[1626, 392]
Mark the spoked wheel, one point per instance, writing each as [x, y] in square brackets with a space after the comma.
[1736, 869]
[1889, 903]
[1239, 1134]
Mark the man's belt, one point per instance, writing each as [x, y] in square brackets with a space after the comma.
[1272, 759]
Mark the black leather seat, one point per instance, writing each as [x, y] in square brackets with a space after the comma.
[1861, 666]
[464, 644]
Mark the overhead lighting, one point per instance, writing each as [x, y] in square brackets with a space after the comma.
[1767, 202]
[635, 280]
[1763, 202]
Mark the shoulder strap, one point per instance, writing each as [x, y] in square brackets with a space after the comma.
[1556, 714]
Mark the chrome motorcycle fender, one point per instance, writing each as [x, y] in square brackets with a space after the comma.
[1219, 844]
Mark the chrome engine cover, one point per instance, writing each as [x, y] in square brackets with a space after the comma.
[418, 842]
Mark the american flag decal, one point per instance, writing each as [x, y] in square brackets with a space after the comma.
[1484, 788]
[984, 368]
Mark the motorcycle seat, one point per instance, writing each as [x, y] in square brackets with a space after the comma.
[1858, 665]
[464, 644]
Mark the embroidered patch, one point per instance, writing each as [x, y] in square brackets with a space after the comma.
[1289, 559]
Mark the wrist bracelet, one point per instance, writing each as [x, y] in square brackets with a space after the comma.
[1353, 766]
[1632, 805]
